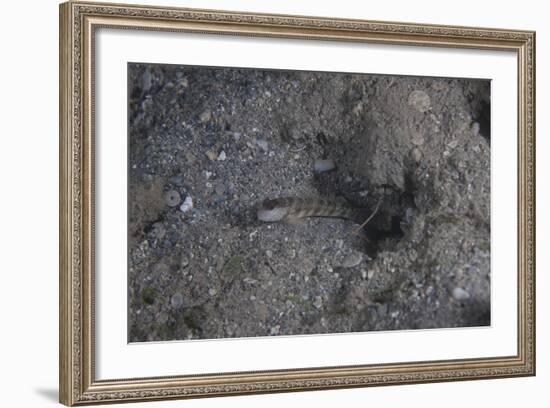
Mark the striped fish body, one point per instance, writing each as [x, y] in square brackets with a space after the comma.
[292, 209]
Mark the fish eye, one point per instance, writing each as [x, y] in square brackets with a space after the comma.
[269, 204]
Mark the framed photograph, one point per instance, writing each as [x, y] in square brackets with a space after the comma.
[256, 203]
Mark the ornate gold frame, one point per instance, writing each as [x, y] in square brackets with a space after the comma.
[78, 20]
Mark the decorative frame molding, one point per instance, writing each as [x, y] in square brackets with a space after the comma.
[78, 20]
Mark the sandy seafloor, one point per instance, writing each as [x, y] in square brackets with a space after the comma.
[228, 138]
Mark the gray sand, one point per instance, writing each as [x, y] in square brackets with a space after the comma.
[229, 138]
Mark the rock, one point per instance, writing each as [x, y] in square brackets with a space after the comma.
[419, 100]
[370, 273]
[322, 165]
[158, 230]
[417, 138]
[212, 155]
[353, 259]
[184, 262]
[262, 144]
[269, 253]
[187, 204]
[160, 269]
[453, 143]
[222, 156]
[250, 281]
[318, 302]
[295, 134]
[275, 330]
[220, 188]
[205, 116]
[212, 291]
[177, 300]
[172, 198]
[147, 80]
[460, 294]
[177, 180]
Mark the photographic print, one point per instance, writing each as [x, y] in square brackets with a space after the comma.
[274, 203]
[290, 216]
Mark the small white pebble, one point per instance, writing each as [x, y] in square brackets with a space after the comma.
[212, 292]
[222, 156]
[262, 144]
[322, 165]
[460, 294]
[416, 154]
[187, 204]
